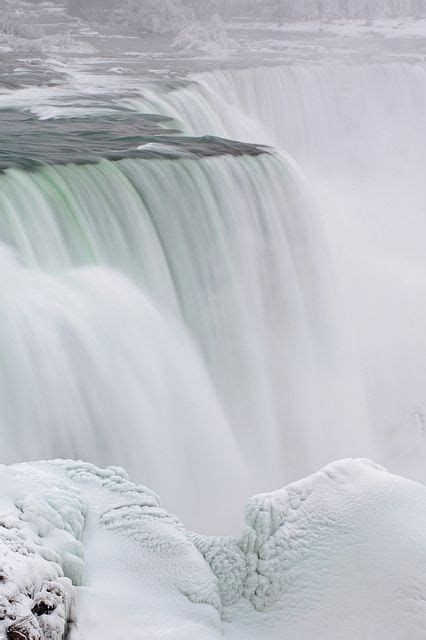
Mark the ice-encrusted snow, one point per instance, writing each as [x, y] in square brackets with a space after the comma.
[40, 553]
[341, 554]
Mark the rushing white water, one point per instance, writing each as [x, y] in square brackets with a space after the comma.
[226, 248]
[90, 368]
[358, 132]
[182, 313]
[320, 113]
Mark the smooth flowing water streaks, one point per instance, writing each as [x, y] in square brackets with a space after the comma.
[348, 127]
[231, 251]
[358, 132]
[316, 112]
[92, 369]
[229, 246]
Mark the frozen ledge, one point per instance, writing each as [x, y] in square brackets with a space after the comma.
[341, 554]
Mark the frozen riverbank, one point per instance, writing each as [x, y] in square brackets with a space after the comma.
[341, 554]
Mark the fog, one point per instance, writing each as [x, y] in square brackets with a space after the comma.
[212, 295]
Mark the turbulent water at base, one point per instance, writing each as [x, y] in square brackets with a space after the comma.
[358, 133]
[181, 316]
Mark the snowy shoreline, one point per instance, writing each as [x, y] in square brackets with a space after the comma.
[331, 540]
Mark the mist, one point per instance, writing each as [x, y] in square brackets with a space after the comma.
[212, 312]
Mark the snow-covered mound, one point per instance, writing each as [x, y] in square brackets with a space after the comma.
[339, 555]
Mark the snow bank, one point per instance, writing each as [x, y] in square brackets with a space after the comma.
[40, 554]
[339, 555]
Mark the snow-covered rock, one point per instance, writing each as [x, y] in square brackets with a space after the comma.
[40, 554]
[339, 555]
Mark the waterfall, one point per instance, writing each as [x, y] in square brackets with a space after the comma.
[319, 113]
[347, 126]
[200, 310]
[357, 131]
[170, 313]
[91, 369]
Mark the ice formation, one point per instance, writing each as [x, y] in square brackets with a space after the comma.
[351, 533]
[40, 553]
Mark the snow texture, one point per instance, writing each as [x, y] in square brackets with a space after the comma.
[40, 554]
[341, 554]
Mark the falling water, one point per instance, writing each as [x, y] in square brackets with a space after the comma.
[358, 132]
[177, 312]
[169, 314]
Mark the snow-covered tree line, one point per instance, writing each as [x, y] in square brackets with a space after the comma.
[157, 16]
[169, 16]
[311, 9]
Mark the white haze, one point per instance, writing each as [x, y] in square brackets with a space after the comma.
[298, 297]
[219, 318]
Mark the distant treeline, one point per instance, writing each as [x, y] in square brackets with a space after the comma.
[169, 15]
[312, 9]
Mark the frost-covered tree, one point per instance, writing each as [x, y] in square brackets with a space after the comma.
[283, 10]
[169, 16]
[155, 16]
[15, 25]
[96, 9]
